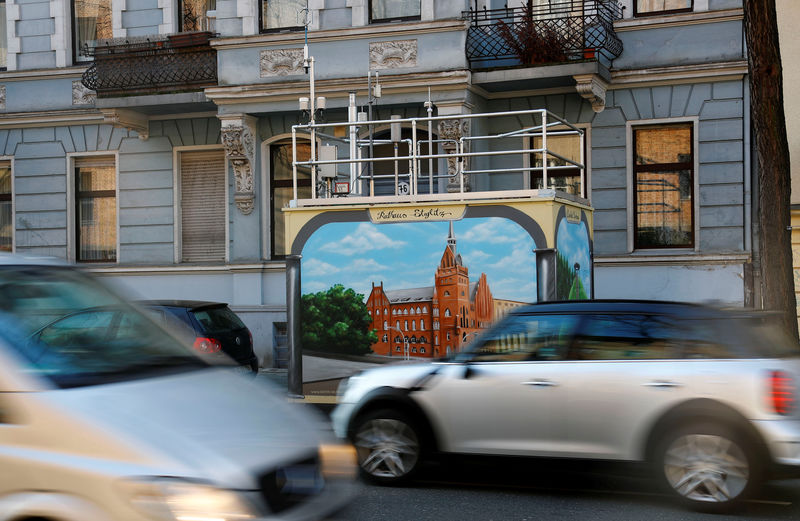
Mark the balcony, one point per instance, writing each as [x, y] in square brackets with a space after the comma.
[177, 63]
[556, 33]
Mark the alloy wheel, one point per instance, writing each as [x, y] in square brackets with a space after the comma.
[387, 448]
[707, 468]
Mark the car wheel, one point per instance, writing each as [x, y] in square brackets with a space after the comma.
[387, 446]
[708, 466]
[254, 366]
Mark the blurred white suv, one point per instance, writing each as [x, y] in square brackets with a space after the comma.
[105, 416]
[708, 396]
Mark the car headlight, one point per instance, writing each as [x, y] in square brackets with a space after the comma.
[178, 500]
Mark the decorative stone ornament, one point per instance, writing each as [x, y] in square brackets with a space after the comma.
[238, 139]
[593, 88]
[281, 62]
[451, 130]
[393, 54]
[128, 119]
[2, 97]
[81, 95]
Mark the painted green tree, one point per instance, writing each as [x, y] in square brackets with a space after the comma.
[336, 321]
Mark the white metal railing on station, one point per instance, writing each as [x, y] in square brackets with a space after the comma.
[350, 170]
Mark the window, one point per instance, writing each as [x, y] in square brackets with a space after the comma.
[422, 350]
[526, 337]
[422, 324]
[406, 325]
[418, 310]
[397, 324]
[3, 36]
[385, 337]
[424, 309]
[377, 311]
[663, 185]
[627, 337]
[91, 22]
[194, 15]
[655, 7]
[391, 10]
[6, 214]
[405, 311]
[281, 191]
[277, 15]
[96, 209]
[447, 312]
[561, 175]
[202, 206]
[394, 312]
[385, 311]
[385, 325]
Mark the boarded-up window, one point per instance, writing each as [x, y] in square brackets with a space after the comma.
[6, 215]
[96, 209]
[202, 206]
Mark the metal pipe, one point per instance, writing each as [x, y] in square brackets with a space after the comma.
[295, 369]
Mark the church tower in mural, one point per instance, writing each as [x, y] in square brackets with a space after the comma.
[435, 320]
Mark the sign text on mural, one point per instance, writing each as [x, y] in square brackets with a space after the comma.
[416, 214]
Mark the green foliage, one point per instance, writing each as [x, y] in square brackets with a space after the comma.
[336, 321]
[533, 41]
[568, 284]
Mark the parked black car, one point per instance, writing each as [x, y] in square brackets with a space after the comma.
[210, 327]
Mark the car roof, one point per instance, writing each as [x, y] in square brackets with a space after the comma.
[686, 309]
[191, 305]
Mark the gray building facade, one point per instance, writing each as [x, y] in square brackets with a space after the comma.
[124, 151]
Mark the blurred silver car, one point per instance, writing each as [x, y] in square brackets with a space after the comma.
[105, 416]
[708, 397]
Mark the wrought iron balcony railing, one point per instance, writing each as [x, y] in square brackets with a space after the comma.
[555, 33]
[180, 62]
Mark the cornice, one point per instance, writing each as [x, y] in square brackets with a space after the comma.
[678, 259]
[289, 91]
[621, 79]
[372, 32]
[676, 20]
[43, 74]
[51, 118]
[191, 270]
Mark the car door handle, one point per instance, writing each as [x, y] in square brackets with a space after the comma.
[540, 383]
[662, 384]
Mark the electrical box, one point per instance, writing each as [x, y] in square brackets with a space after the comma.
[327, 153]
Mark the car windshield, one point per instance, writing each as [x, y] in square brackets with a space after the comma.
[218, 320]
[73, 330]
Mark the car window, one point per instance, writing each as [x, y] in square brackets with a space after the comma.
[749, 336]
[526, 337]
[627, 337]
[68, 327]
[218, 320]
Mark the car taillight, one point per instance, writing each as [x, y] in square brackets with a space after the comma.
[782, 391]
[251, 337]
[207, 345]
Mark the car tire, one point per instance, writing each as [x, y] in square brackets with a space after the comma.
[388, 446]
[708, 466]
[254, 366]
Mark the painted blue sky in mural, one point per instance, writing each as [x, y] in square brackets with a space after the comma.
[573, 243]
[406, 255]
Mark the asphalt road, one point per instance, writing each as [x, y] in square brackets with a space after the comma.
[506, 490]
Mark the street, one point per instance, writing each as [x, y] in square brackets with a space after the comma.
[503, 491]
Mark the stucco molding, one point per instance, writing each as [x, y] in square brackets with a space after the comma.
[60, 40]
[677, 20]
[450, 131]
[84, 116]
[679, 258]
[247, 10]
[14, 42]
[117, 29]
[280, 62]
[2, 97]
[621, 79]
[392, 54]
[593, 88]
[82, 95]
[128, 119]
[239, 141]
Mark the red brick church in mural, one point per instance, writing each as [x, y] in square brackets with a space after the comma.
[436, 320]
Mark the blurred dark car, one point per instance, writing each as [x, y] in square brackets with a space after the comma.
[708, 397]
[210, 327]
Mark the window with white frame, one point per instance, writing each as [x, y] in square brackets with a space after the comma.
[663, 186]
[194, 15]
[202, 205]
[6, 205]
[282, 15]
[95, 209]
[394, 10]
[91, 21]
[658, 7]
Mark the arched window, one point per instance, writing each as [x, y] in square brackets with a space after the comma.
[399, 348]
[385, 325]
[369, 311]
[406, 325]
[397, 324]
[377, 311]
[423, 340]
[385, 311]
[422, 350]
[413, 349]
[448, 335]
[385, 337]
[413, 340]
[405, 311]
[447, 312]
[422, 323]
[394, 312]
[418, 310]
[446, 293]
[413, 325]
[424, 309]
